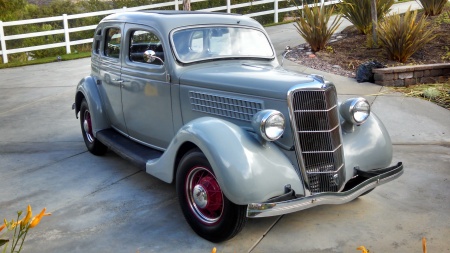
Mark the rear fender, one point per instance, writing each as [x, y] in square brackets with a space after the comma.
[87, 89]
[246, 168]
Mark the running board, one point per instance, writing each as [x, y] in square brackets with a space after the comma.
[132, 151]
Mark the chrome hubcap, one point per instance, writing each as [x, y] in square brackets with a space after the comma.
[87, 126]
[200, 196]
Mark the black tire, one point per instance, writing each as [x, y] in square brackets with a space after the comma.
[212, 217]
[93, 145]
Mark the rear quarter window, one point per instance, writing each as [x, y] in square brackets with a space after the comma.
[112, 42]
[97, 42]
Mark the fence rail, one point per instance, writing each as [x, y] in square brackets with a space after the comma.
[67, 30]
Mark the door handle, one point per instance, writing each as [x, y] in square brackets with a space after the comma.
[121, 81]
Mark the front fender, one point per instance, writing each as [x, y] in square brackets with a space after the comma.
[87, 88]
[367, 147]
[247, 169]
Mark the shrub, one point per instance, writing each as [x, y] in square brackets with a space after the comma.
[358, 12]
[433, 7]
[312, 25]
[402, 36]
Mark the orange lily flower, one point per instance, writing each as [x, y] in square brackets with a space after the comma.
[35, 221]
[27, 217]
[2, 227]
[424, 245]
[363, 249]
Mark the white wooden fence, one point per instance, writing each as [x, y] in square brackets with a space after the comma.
[67, 30]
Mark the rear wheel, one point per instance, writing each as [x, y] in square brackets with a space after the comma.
[93, 145]
[207, 210]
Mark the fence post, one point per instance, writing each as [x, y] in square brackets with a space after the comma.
[66, 33]
[228, 6]
[275, 6]
[176, 5]
[3, 43]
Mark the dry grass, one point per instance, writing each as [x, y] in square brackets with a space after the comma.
[436, 93]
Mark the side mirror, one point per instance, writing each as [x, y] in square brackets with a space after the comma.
[150, 56]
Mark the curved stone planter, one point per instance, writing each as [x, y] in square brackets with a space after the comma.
[410, 75]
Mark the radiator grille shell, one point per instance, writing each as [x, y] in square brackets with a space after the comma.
[318, 141]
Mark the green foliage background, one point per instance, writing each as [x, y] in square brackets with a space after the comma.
[11, 10]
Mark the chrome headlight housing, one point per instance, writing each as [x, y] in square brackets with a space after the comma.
[355, 110]
[269, 124]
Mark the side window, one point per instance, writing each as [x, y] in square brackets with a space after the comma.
[141, 41]
[97, 40]
[112, 43]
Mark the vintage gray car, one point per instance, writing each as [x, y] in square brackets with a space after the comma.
[200, 100]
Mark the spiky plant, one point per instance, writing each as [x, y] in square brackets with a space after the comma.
[403, 35]
[432, 7]
[358, 12]
[312, 25]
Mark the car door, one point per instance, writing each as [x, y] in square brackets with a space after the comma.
[146, 92]
[109, 73]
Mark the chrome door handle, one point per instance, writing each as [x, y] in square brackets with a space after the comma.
[121, 81]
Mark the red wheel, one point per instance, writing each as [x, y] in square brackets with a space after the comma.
[93, 145]
[87, 126]
[204, 195]
[207, 210]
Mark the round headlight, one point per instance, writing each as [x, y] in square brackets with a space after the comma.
[269, 124]
[355, 110]
[361, 111]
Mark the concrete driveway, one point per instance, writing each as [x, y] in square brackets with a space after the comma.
[103, 204]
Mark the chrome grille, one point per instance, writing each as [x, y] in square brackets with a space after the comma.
[318, 139]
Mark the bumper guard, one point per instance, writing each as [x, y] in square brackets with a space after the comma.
[256, 210]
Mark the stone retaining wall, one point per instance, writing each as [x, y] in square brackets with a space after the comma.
[410, 75]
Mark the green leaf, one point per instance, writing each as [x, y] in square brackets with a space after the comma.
[433, 7]
[3, 242]
[358, 12]
[312, 25]
[401, 36]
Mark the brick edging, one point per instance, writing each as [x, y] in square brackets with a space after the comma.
[410, 75]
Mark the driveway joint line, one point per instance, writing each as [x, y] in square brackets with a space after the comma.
[264, 235]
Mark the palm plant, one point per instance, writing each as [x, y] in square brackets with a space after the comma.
[358, 12]
[432, 7]
[402, 36]
[312, 25]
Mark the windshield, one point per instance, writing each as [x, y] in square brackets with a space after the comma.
[214, 42]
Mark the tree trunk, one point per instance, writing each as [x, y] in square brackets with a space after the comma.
[187, 5]
[374, 23]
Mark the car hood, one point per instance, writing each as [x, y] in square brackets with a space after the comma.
[246, 78]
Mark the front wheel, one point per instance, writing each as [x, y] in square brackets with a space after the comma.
[207, 210]
[93, 145]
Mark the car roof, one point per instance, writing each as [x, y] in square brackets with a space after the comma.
[166, 21]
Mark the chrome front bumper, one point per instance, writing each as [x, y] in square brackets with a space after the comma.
[256, 210]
